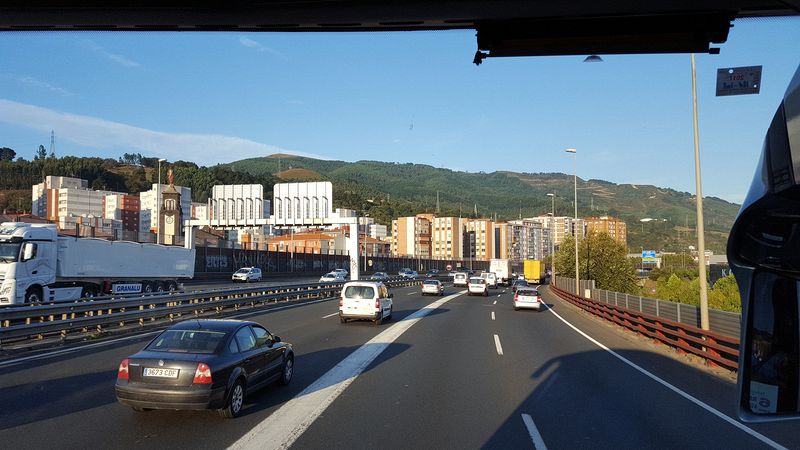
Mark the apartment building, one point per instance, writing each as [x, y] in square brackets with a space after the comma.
[614, 227]
[123, 208]
[447, 237]
[530, 240]
[561, 226]
[484, 238]
[411, 236]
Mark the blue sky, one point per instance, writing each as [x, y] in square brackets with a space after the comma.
[406, 97]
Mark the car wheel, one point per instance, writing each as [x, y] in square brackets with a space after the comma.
[486, 293]
[389, 317]
[235, 401]
[138, 409]
[379, 321]
[288, 371]
[342, 320]
[516, 309]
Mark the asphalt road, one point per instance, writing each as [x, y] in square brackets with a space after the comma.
[433, 377]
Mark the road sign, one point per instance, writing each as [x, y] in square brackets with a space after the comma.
[738, 80]
[649, 256]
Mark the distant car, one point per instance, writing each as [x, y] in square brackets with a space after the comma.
[365, 300]
[477, 286]
[460, 279]
[379, 276]
[344, 271]
[527, 298]
[491, 279]
[432, 287]
[204, 364]
[432, 273]
[247, 274]
[410, 274]
[403, 270]
[518, 284]
[333, 277]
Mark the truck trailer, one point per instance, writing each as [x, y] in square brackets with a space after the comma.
[533, 271]
[502, 270]
[37, 265]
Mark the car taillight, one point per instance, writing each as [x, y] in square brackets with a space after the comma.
[202, 375]
[537, 299]
[377, 303]
[341, 301]
[122, 373]
[516, 297]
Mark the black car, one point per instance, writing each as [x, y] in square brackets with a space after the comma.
[204, 364]
[519, 284]
[432, 273]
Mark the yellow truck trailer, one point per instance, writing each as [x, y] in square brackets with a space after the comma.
[533, 271]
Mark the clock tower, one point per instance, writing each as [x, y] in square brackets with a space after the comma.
[170, 218]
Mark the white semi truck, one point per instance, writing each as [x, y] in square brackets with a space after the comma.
[37, 265]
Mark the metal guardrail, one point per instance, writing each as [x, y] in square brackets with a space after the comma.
[713, 347]
[98, 315]
[723, 322]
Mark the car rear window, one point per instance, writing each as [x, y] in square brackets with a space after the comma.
[187, 341]
[430, 282]
[527, 292]
[477, 280]
[359, 292]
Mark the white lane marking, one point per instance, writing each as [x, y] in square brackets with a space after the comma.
[674, 389]
[411, 293]
[284, 426]
[494, 302]
[497, 344]
[15, 361]
[492, 315]
[331, 315]
[536, 437]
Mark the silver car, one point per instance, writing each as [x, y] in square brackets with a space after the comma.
[432, 287]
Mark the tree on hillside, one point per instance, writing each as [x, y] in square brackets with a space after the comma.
[7, 154]
[40, 154]
[605, 259]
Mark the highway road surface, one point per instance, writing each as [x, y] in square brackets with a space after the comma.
[446, 372]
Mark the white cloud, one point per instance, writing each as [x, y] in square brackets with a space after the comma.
[250, 43]
[115, 137]
[30, 81]
[117, 58]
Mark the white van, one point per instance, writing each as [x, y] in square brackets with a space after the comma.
[491, 279]
[367, 300]
[460, 279]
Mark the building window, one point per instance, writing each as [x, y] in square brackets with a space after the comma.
[307, 205]
[278, 208]
[298, 206]
[288, 208]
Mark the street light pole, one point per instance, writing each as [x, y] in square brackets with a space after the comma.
[575, 224]
[158, 202]
[552, 238]
[701, 243]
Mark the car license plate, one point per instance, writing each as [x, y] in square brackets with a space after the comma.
[160, 373]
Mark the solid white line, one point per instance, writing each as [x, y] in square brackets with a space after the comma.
[492, 315]
[674, 389]
[284, 426]
[411, 293]
[494, 302]
[538, 442]
[331, 315]
[497, 344]
[15, 361]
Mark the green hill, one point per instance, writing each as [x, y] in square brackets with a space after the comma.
[387, 190]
